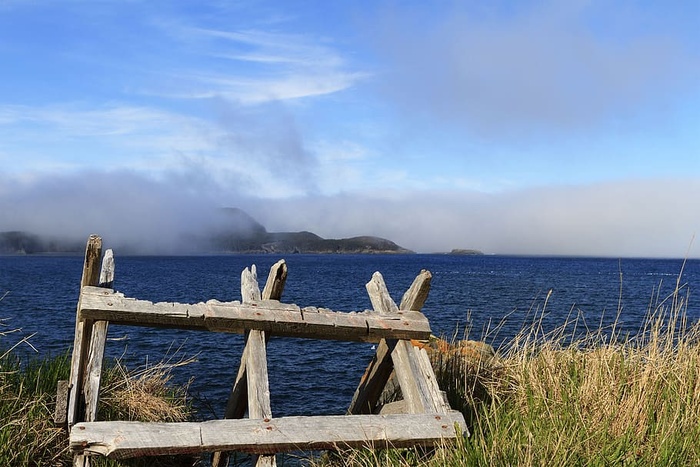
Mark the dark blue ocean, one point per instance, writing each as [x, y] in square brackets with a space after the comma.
[486, 297]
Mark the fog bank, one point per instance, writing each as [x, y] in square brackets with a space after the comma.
[642, 218]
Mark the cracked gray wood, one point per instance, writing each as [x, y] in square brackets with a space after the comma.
[131, 439]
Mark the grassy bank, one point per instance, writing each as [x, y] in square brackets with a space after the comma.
[599, 399]
[545, 399]
[28, 436]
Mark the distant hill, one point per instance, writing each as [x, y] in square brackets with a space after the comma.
[25, 243]
[247, 235]
[238, 233]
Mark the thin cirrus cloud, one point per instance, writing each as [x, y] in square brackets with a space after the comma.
[243, 150]
[261, 67]
[116, 135]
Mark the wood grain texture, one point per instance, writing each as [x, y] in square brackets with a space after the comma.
[259, 315]
[412, 368]
[373, 381]
[98, 338]
[131, 439]
[417, 293]
[239, 399]
[107, 270]
[83, 331]
[82, 343]
[266, 315]
[276, 280]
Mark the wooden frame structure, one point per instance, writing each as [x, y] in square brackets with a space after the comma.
[423, 417]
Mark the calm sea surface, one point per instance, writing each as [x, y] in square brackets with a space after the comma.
[490, 297]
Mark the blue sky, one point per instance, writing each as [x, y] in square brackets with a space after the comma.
[534, 127]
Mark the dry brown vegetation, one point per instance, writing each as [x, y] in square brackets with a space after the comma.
[562, 398]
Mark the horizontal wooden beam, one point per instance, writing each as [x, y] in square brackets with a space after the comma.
[132, 439]
[266, 315]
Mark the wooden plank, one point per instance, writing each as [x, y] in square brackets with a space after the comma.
[237, 402]
[372, 383]
[412, 366]
[93, 371]
[379, 295]
[413, 370]
[256, 365]
[83, 331]
[379, 370]
[276, 280]
[266, 315]
[131, 439]
[107, 270]
[258, 386]
[417, 293]
[437, 396]
[256, 374]
[396, 407]
[81, 343]
[250, 290]
[61, 411]
[418, 385]
[238, 399]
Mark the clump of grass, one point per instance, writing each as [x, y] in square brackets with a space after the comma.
[27, 400]
[145, 394]
[26, 405]
[28, 435]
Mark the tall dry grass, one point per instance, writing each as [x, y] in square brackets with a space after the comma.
[574, 396]
[28, 436]
[598, 399]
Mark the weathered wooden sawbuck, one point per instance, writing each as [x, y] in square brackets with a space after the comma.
[423, 417]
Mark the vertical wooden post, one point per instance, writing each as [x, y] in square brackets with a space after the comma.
[93, 371]
[81, 343]
[83, 331]
[251, 388]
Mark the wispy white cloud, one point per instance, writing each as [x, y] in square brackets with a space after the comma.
[260, 90]
[258, 150]
[172, 109]
[270, 47]
[260, 66]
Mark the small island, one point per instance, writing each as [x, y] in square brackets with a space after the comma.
[465, 252]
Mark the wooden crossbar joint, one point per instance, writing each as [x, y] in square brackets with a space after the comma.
[397, 357]
[251, 388]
